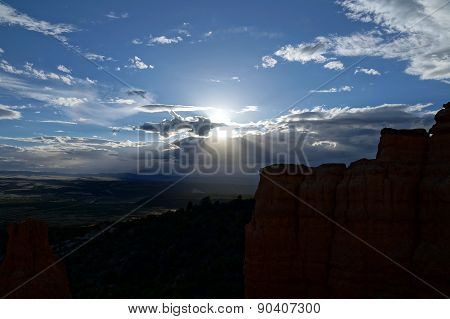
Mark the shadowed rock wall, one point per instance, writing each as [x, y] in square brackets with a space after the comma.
[399, 203]
[27, 254]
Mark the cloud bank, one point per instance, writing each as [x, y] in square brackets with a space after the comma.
[415, 31]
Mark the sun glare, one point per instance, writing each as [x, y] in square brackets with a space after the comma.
[219, 116]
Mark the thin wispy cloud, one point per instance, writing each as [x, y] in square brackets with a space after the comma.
[91, 81]
[122, 101]
[345, 88]
[97, 57]
[12, 17]
[31, 71]
[248, 108]
[224, 80]
[68, 101]
[157, 108]
[113, 15]
[58, 122]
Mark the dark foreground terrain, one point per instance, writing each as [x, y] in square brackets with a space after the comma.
[196, 252]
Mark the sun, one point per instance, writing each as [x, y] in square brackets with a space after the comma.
[219, 116]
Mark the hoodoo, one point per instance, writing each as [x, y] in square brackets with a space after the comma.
[29, 269]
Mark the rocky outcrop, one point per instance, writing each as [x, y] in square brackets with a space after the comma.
[337, 231]
[432, 258]
[29, 269]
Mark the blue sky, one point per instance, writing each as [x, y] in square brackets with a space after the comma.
[67, 70]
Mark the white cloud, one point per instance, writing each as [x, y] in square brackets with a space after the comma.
[97, 57]
[334, 65]
[137, 63]
[208, 34]
[268, 62]
[7, 113]
[304, 52]
[64, 69]
[10, 16]
[90, 81]
[415, 31]
[235, 78]
[5, 66]
[165, 40]
[2, 51]
[248, 108]
[136, 41]
[30, 71]
[113, 15]
[345, 88]
[367, 71]
[68, 101]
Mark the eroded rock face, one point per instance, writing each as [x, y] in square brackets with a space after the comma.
[432, 258]
[398, 203]
[28, 253]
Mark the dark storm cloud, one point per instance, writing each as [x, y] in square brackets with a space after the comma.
[197, 125]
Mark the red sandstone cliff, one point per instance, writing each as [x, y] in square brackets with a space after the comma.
[399, 203]
[28, 253]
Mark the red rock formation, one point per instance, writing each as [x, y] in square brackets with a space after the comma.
[398, 203]
[432, 258]
[28, 253]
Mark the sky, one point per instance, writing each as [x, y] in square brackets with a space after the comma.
[83, 84]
